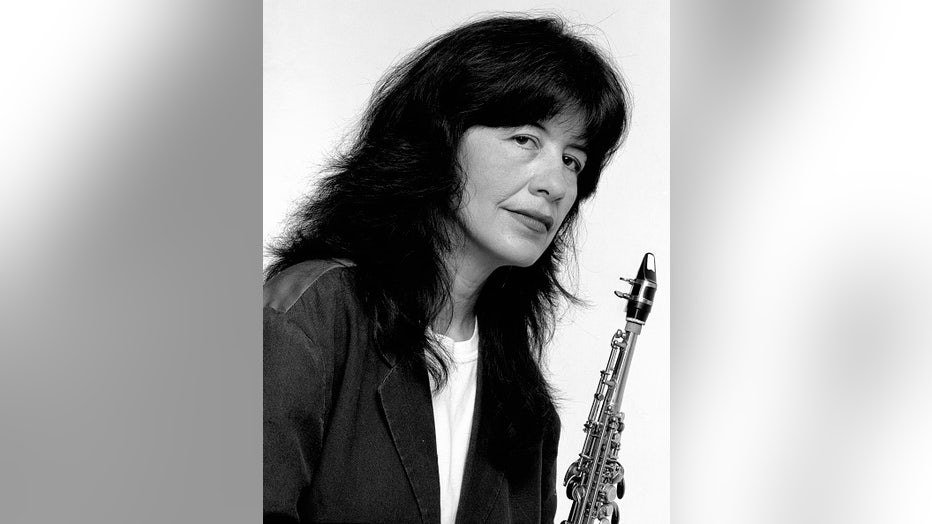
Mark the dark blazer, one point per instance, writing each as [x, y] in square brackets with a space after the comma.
[349, 431]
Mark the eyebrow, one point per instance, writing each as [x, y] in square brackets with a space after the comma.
[576, 145]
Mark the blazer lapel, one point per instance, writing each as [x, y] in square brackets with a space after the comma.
[482, 483]
[406, 400]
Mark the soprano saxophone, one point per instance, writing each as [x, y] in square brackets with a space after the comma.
[596, 478]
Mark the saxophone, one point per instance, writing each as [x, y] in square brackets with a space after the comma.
[596, 478]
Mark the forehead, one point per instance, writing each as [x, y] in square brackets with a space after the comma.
[571, 124]
[570, 120]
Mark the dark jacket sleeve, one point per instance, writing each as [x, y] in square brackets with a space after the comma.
[548, 487]
[297, 379]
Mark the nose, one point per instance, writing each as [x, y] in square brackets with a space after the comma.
[549, 177]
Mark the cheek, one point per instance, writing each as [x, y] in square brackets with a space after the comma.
[573, 192]
[565, 206]
[490, 185]
[569, 200]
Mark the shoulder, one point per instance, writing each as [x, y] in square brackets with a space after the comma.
[311, 319]
[323, 278]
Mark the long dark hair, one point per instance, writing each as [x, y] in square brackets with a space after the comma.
[387, 203]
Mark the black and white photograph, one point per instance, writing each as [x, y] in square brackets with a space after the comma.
[452, 199]
[611, 262]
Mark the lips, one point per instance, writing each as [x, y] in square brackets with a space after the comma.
[533, 219]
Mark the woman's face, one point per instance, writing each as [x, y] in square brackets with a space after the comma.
[520, 183]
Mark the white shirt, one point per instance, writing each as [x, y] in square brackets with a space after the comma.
[453, 411]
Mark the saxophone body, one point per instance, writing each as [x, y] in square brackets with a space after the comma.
[596, 479]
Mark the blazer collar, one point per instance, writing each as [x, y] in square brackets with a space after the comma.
[406, 401]
[482, 483]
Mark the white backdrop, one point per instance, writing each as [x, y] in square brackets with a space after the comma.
[320, 63]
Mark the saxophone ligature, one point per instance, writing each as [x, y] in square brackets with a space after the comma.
[596, 479]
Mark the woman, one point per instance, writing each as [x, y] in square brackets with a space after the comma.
[407, 305]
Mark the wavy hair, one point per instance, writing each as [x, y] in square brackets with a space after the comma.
[388, 201]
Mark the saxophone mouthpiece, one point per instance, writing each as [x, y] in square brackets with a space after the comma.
[648, 269]
[641, 297]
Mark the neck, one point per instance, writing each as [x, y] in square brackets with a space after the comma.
[458, 315]
[467, 276]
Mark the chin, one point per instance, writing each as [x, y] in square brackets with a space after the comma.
[521, 257]
[522, 263]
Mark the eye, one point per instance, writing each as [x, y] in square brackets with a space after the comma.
[575, 165]
[525, 141]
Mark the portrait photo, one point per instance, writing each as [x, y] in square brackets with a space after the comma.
[455, 199]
